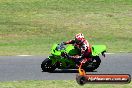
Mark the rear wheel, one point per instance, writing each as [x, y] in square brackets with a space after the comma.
[92, 65]
[47, 65]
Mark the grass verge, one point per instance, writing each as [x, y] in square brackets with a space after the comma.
[31, 27]
[58, 84]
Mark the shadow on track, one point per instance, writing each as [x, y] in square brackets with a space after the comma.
[68, 71]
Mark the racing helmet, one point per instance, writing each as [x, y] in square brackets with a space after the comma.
[79, 38]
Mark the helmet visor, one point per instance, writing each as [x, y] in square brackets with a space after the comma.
[78, 41]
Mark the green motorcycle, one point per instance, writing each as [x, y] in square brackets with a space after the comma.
[59, 58]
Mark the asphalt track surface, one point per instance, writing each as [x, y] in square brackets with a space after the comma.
[14, 68]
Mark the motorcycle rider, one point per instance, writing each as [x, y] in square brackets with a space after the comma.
[83, 45]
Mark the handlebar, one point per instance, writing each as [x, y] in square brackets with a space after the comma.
[60, 46]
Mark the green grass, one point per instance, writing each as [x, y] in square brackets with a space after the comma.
[32, 26]
[58, 84]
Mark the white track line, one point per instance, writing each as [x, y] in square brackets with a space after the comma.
[24, 55]
[109, 53]
[32, 55]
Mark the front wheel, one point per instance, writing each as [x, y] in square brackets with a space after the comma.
[92, 65]
[47, 65]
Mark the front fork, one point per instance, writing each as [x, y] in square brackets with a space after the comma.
[52, 58]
